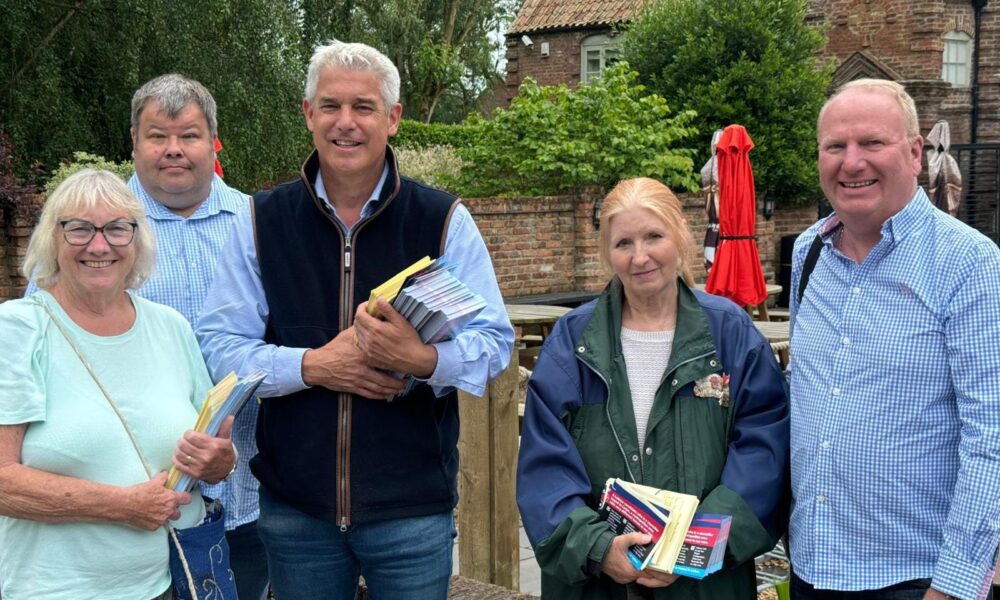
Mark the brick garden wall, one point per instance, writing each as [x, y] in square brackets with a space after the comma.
[16, 222]
[538, 244]
[549, 244]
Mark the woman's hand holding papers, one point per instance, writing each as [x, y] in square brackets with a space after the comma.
[210, 459]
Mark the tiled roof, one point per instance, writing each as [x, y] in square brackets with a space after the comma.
[562, 14]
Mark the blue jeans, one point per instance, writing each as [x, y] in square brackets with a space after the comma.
[400, 559]
[248, 561]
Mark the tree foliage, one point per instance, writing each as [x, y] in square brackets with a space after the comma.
[553, 139]
[69, 68]
[442, 47]
[751, 62]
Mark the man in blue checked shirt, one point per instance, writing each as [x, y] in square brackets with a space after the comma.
[357, 468]
[191, 211]
[895, 373]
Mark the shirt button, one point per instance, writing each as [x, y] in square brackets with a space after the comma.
[847, 341]
[856, 290]
[821, 499]
[836, 391]
[649, 451]
[824, 444]
[635, 458]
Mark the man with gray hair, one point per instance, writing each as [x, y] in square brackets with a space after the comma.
[357, 467]
[895, 388]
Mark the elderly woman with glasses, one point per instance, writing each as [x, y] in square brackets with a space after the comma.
[80, 515]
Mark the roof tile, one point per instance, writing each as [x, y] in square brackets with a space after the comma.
[536, 15]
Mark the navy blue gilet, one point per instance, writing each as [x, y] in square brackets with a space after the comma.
[337, 456]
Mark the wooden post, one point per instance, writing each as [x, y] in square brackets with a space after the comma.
[488, 543]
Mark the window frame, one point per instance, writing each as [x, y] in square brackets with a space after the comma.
[955, 41]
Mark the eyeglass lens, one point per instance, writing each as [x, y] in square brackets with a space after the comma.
[79, 232]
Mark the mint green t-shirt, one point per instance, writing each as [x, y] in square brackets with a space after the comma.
[155, 374]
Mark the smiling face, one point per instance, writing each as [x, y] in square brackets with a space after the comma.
[643, 255]
[350, 125]
[174, 158]
[867, 166]
[97, 269]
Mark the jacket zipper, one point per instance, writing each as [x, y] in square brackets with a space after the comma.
[611, 423]
[345, 404]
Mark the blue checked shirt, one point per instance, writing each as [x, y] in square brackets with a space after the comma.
[186, 253]
[895, 408]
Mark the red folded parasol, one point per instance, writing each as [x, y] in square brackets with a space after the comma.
[218, 165]
[736, 273]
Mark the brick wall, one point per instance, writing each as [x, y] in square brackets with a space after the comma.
[538, 244]
[549, 244]
[16, 222]
[907, 36]
[562, 65]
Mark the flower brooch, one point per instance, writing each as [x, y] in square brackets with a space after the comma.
[715, 385]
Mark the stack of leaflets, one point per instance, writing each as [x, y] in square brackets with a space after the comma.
[431, 298]
[682, 542]
[227, 398]
[704, 545]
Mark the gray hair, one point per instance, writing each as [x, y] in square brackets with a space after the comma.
[81, 192]
[354, 57]
[897, 92]
[173, 92]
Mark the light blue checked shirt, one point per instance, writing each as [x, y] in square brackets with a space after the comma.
[895, 408]
[186, 253]
[231, 329]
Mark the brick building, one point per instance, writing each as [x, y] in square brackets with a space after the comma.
[930, 46]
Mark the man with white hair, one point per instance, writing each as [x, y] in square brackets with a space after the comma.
[357, 468]
[895, 387]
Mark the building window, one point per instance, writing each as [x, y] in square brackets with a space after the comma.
[596, 53]
[956, 63]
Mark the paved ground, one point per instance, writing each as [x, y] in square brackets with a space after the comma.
[531, 582]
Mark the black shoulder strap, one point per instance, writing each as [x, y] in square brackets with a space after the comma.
[809, 265]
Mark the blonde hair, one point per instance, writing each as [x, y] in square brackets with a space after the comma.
[652, 195]
[79, 193]
[911, 123]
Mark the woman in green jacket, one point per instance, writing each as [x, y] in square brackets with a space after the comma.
[623, 388]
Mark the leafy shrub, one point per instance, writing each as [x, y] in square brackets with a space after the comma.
[752, 62]
[11, 186]
[417, 134]
[83, 160]
[554, 140]
[438, 166]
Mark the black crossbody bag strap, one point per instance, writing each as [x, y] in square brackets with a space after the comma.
[810, 263]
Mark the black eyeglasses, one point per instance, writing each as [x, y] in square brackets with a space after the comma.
[78, 232]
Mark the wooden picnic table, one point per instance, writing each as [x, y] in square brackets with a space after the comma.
[777, 333]
[773, 289]
[534, 314]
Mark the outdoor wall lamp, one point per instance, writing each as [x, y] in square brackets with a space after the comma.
[595, 216]
[768, 207]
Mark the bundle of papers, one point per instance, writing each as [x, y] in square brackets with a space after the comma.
[227, 398]
[431, 298]
[682, 542]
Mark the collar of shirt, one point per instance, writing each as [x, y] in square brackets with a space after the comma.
[371, 205]
[895, 229]
[216, 202]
